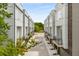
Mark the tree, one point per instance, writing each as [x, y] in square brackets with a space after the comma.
[4, 27]
[6, 45]
[39, 27]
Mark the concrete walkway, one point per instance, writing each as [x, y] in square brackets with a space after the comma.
[40, 49]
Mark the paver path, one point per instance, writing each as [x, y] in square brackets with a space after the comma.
[40, 49]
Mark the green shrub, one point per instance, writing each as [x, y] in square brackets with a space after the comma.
[30, 35]
[11, 50]
[31, 43]
[8, 48]
[21, 46]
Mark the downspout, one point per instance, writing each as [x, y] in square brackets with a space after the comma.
[28, 26]
[23, 23]
[14, 25]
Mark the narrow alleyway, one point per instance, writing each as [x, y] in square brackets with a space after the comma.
[41, 49]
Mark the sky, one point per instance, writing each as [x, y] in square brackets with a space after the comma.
[39, 11]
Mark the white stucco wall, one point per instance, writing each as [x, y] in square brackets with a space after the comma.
[18, 22]
[50, 20]
[58, 21]
[19, 5]
[31, 25]
[65, 26]
[61, 20]
[52, 23]
[10, 21]
[47, 25]
[26, 26]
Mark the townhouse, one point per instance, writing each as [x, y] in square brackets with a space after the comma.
[46, 27]
[25, 24]
[61, 27]
[31, 26]
[19, 22]
[66, 32]
[49, 25]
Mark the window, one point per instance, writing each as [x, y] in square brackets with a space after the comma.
[59, 15]
[18, 32]
[59, 34]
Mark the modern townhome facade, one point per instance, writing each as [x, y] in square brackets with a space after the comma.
[19, 22]
[31, 26]
[66, 39]
[61, 28]
[25, 24]
[50, 24]
[46, 27]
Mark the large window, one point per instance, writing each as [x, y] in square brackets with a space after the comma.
[19, 32]
[59, 14]
[59, 34]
